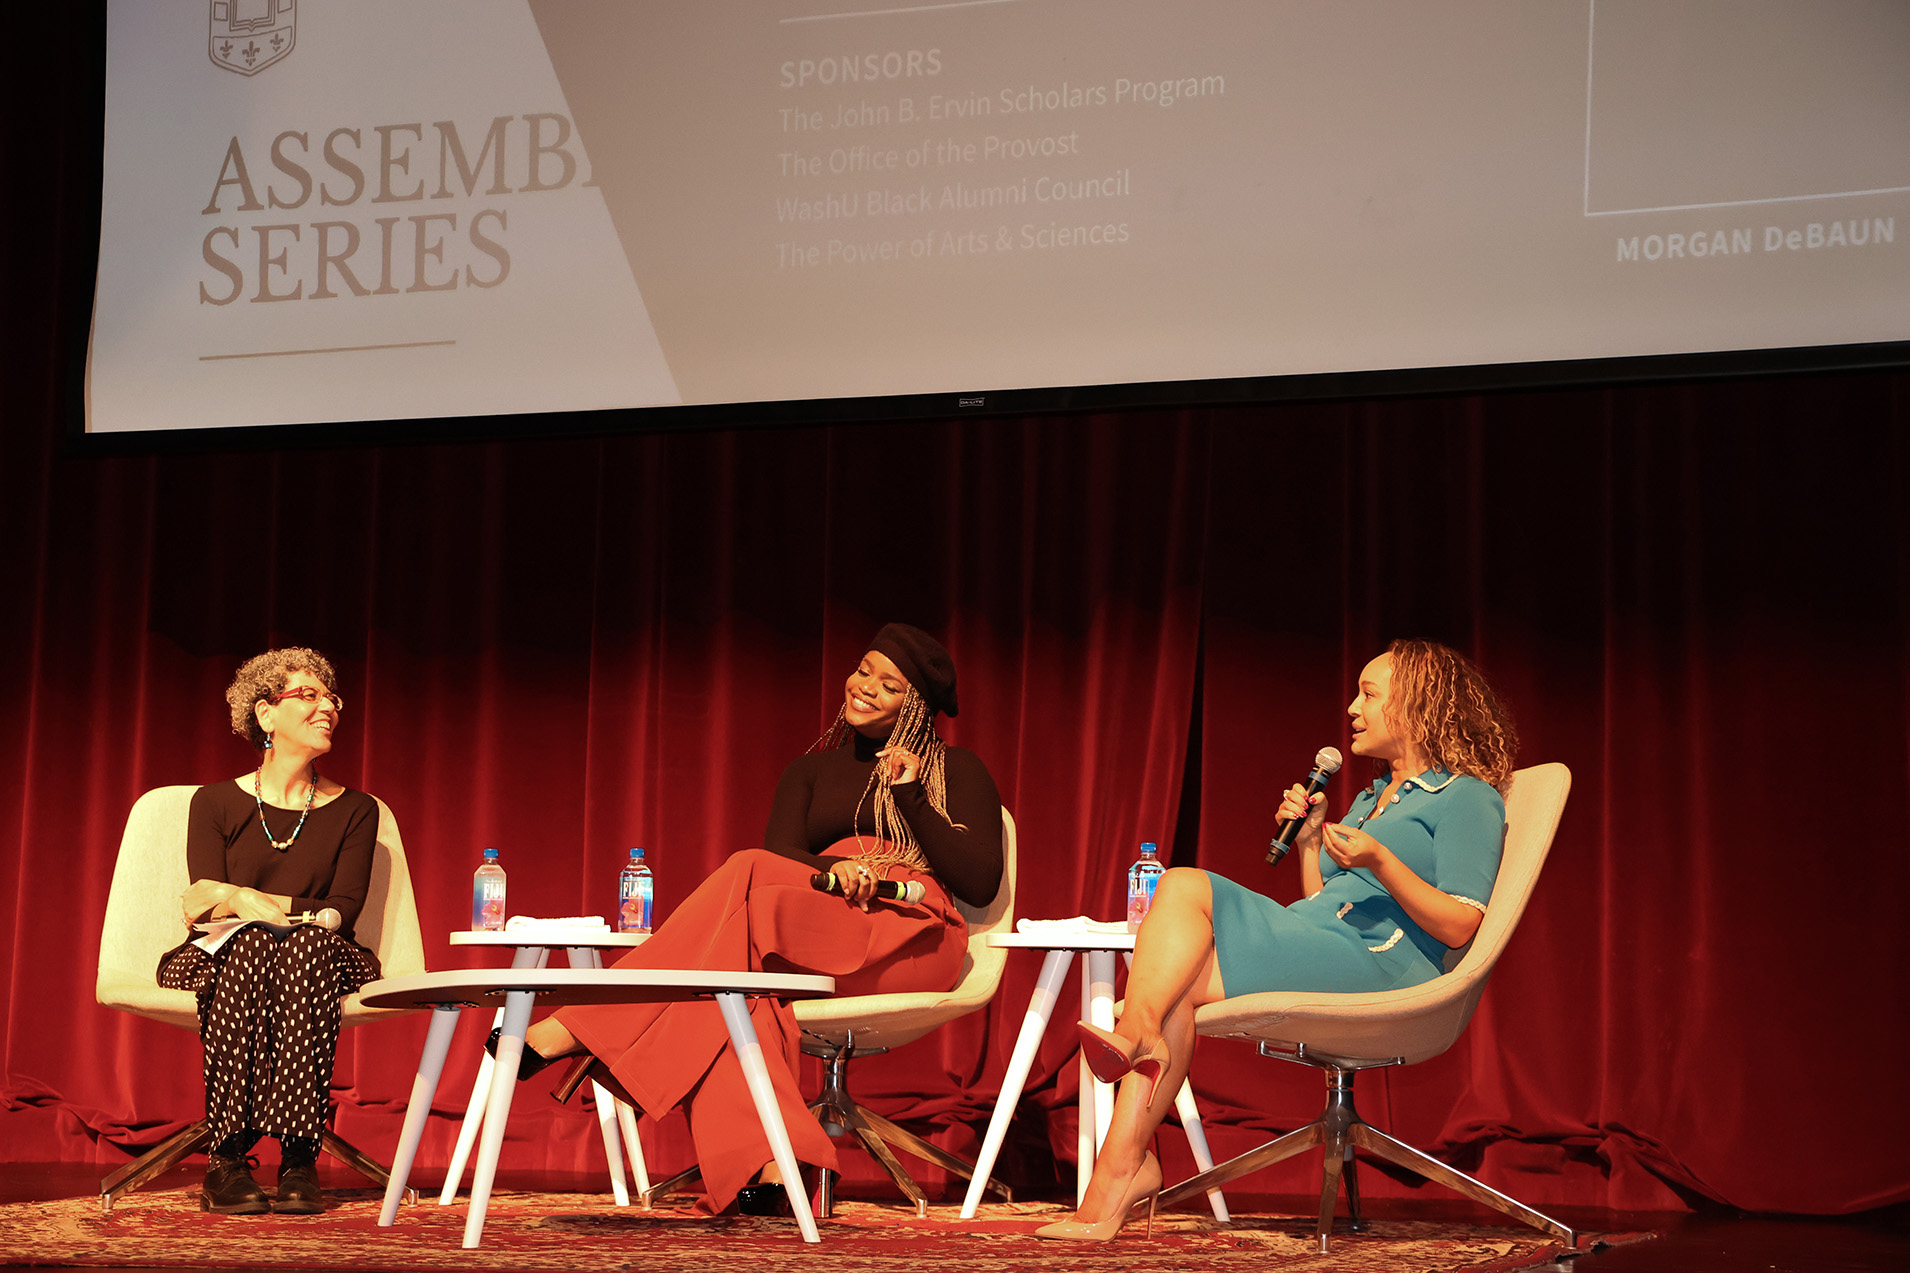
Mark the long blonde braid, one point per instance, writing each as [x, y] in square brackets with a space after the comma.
[914, 731]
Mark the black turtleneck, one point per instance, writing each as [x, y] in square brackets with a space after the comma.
[816, 806]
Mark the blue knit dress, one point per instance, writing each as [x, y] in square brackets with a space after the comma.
[1352, 935]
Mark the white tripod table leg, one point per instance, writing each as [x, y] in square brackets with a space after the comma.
[1054, 971]
[1197, 1141]
[526, 957]
[1100, 996]
[424, 1087]
[749, 1051]
[586, 957]
[627, 1122]
[497, 1111]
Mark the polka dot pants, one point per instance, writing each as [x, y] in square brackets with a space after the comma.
[268, 1016]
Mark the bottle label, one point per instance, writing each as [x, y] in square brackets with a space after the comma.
[1140, 893]
[487, 905]
[633, 907]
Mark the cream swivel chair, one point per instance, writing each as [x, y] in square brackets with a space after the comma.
[142, 923]
[839, 1029]
[1343, 1034]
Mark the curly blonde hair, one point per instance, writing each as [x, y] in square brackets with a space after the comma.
[1441, 702]
[264, 675]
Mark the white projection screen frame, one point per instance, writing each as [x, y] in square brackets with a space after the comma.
[356, 210]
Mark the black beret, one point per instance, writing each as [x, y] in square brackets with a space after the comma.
[922, 660]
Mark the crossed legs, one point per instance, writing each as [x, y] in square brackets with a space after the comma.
[1175, 971]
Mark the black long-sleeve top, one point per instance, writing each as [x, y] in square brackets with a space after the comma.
[328, 865]
[816, 802]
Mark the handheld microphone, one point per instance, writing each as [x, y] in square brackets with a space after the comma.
[888, 890]
[327, 918]
[1326, 762]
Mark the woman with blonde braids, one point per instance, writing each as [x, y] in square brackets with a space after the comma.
[1391, 889]
[878, 796]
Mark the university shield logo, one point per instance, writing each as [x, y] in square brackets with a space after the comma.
[249, 35]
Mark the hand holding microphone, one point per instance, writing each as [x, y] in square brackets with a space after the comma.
[861, 885]
[1326, 762]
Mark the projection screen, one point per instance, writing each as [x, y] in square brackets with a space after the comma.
[358, 210]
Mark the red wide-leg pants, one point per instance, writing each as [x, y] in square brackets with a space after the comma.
[758, 912]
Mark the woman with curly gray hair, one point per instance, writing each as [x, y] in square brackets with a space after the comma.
[276, 842]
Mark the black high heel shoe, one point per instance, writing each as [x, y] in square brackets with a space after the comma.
[764, 1200]
[531, 1062]
[766, 1197]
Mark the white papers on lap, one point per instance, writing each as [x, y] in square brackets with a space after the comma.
[1080, 924]
[219, 931]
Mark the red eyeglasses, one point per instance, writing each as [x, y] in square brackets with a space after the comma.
[307, 694]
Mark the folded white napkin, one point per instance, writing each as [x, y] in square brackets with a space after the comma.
[572, 923]
[1079, 924]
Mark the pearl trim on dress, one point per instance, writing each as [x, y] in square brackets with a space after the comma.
[1399, 933]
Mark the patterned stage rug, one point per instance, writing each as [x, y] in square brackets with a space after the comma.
[584, 1231]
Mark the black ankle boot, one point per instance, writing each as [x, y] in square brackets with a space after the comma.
[763, 1200]
[298, 1192]
[531, 1062]
[229, 1188]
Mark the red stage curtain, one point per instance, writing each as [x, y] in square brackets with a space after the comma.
[1694, 596]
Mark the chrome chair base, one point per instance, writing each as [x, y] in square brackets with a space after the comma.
[839, 1115]
[196, 1138]
[1340, 1130]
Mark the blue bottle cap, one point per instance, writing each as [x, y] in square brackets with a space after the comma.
[1148, 846]
[490, 855]
[636, 855]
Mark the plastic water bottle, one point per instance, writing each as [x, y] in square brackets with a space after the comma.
[487, 896]
[1141, 879]
[636, 890]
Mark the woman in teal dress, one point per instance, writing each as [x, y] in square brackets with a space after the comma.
[1391, 890]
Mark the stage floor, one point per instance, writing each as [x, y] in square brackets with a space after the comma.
[1876, 1242]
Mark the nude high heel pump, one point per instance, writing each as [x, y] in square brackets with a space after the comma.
[1144, 1183]
[1113, 1058]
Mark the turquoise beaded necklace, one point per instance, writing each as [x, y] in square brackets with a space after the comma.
[258, 796]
